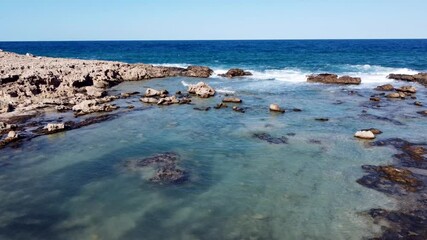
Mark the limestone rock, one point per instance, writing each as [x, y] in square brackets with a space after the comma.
[155, 93]
[407, 89]
[419, 78]
[202, 90]
[53, 127]
[276, 108]
[333, 79]
[386, 87]
[235, 72]
[395, 95]
[365, 135]
[232, 100]
[12, 135]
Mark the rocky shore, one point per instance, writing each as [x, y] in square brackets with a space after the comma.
[31, 85]
[29, 82]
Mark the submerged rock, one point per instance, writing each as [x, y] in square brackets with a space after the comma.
[231, 100]
[373, 130]
[221, 105]
[417, 103]
[238, 109]
[333, 79]
[201, 89]
[270, 139]
[424, 113]
[235, 72]
[165, 165]
[276, 108]
[365, 135]
[322, 119]
[390, 179]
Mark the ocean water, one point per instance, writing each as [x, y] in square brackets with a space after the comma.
[72, 185]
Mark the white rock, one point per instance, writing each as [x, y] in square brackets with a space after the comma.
[276, 108]
[201, 89]
[364, 134]
[12, 135]
[54, 127]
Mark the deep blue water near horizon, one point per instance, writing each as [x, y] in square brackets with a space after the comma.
[310, 55]
[73, 185]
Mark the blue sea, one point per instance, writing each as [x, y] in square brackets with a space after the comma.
[73, 185]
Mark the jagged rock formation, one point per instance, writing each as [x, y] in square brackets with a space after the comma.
[28, 82]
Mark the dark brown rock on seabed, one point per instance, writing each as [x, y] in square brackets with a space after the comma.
[402, 182]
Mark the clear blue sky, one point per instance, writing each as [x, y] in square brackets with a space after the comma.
[211, 19]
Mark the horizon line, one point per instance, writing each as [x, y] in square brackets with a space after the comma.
[244, 39]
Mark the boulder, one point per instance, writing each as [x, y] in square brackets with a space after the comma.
[276, 108]
[235, 72]
[155, 93]
[386, 87]
[12, 135]
[168, 101]
[365, 135]
[95, 92]
[54, 127]
[333, 79]
[201, 89]
[149, 100]
[407, 89]
[232, 100]
[395, 95]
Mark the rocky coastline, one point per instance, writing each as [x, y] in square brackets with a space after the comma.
[31, 85]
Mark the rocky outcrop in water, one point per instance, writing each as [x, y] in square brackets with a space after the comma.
[161, 97]
[333, 79]
[420, 78]
[235, 72]
[201, 89]
[29, 82]
[276, 108]
[385, 87]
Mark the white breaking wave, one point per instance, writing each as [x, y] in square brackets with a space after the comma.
[185, 84]
[179, 65]
[369, 74]
[374, 74]
[220, 90]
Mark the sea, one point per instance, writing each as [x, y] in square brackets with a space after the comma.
[299, 185]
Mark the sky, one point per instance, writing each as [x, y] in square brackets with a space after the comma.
[37, 20]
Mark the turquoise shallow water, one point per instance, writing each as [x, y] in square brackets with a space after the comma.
[72, 185]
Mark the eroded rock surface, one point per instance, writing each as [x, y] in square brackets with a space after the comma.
[333, 79]
[28, 81]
